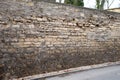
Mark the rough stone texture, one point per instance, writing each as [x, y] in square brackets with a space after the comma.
[43, 37]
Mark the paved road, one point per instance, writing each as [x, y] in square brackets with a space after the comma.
[106, 73]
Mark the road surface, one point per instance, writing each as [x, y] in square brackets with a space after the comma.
[106, 73]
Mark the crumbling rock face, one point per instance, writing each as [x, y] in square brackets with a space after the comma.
[43, 37]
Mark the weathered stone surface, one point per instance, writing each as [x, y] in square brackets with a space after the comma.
[43, 37]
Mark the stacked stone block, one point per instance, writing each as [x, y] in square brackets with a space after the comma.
[45, 37]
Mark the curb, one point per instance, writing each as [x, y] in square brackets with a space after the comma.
[71, 70]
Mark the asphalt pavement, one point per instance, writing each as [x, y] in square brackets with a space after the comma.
[105, 73]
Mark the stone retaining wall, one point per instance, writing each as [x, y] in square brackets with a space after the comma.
[43, 37]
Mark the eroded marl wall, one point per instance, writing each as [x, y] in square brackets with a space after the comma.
[45, 37]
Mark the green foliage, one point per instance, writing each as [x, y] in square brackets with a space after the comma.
[100, 4]
[75, 2]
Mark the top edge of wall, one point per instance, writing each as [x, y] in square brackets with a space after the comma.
[68, 5]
